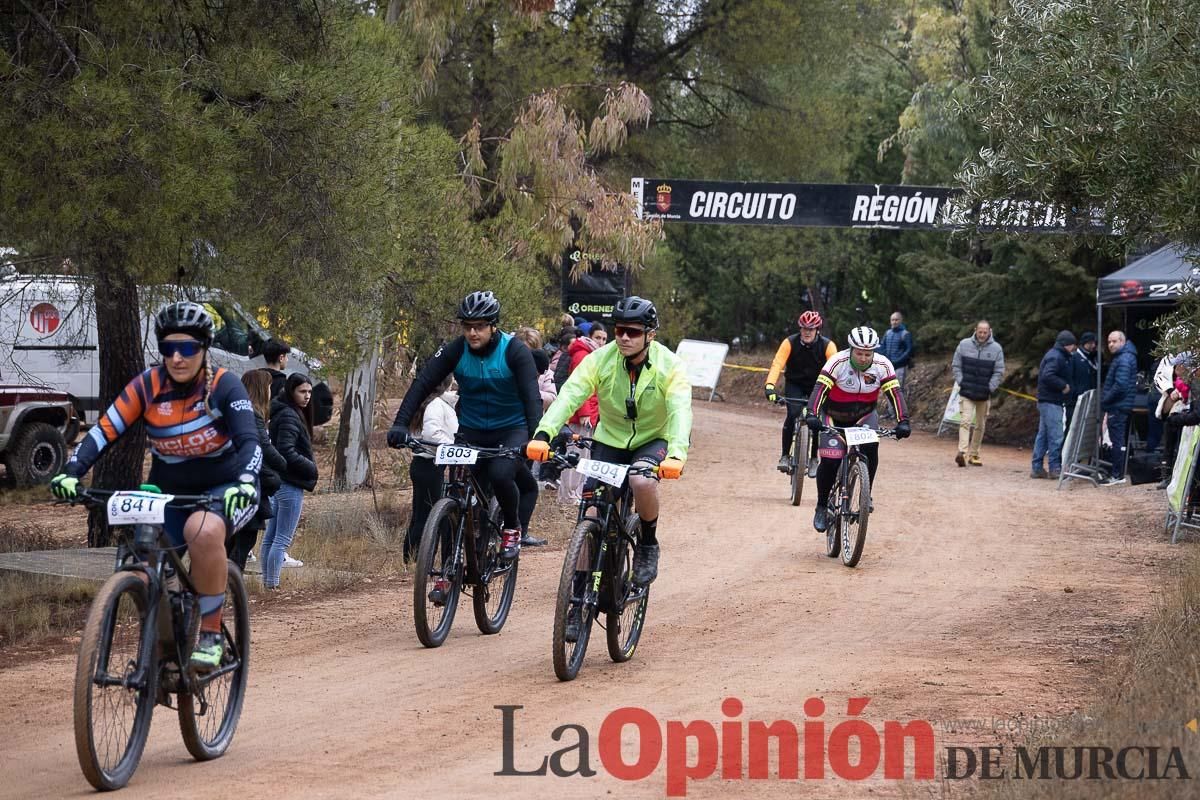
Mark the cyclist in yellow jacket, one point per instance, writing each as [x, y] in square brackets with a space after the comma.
[645, 414]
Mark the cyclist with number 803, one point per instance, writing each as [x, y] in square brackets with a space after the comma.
[645, 414]
[204, 441]
[847, 393]
[499, 405]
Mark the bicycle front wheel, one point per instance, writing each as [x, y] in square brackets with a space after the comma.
[114, 683]
[493, 597]
[799, 456]
[571, 609]
[209, 713]
[854, 524]
[629, 601]
[438, 579]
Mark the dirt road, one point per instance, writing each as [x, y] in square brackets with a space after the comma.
[982, 595]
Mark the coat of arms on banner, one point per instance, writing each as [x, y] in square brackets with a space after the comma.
[664, 197]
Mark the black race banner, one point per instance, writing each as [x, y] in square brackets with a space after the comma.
[832, 205]
[593, 295]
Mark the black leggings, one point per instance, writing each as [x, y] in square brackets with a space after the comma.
[796, 413]
[510, 478]
[828, 471]
[427, 480]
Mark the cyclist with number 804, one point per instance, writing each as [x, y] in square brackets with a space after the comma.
[800, 358]
[499, 405]
[203, 441]
[847, 394]
[645, 414]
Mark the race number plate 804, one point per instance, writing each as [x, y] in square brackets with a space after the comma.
[455, 454]
[137, 508]
[612, 474]
[860, 436]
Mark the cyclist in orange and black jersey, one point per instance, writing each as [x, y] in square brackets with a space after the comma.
[800, 358]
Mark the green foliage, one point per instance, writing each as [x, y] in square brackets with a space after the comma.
[1095, 104]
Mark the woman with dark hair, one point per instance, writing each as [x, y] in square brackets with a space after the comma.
[291, 430]
[258, 387]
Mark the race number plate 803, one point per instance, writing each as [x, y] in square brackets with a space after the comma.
[612, 474]
[860, 436]
[455, 454]
[137, 508]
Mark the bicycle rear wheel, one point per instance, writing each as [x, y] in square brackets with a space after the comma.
[114, 683]
[799, 456]
[572, 592]
[493, 597]
[209, 713]
[438, 567]
[854, 525]
[625, 622]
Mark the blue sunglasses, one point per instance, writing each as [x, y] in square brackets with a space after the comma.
[184, 347]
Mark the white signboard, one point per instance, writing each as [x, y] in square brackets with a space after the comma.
[703, 361]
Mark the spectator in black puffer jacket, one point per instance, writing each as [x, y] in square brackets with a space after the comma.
[1116, 399]
[258, 387]
[1053, 389]
[978, 368]
[291, 431]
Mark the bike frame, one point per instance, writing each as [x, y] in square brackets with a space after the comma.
[144, 550]
[853, 455]
[463, 486]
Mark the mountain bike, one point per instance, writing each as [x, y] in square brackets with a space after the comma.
[849, 502]
[138, 640]
[597, 571]
[798, 453]
[461, 548]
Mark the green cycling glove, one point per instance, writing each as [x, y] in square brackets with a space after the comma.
[64, 486]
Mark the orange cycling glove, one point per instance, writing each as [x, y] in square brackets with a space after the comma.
[538, 450]
[670, 469]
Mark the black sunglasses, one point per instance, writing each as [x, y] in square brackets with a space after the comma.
[184, 347]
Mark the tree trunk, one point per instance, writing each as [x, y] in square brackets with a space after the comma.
[119, 337]
[352, 465]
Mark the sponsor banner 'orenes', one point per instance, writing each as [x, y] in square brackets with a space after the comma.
[826, 205]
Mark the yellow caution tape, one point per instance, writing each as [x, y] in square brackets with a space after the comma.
[748, 369]
[1018, 394]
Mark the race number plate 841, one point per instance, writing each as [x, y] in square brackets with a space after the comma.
[137, 508]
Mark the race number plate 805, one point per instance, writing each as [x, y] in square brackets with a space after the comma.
[612, 474]
[860, 436]
[137, 508]
[455, 454]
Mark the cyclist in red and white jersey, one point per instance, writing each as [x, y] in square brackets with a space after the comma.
[847, 394]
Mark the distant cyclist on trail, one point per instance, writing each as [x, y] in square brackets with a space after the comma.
[499, 405]
[800, 358]
[203, 440]
[847, 394]
[645, 414]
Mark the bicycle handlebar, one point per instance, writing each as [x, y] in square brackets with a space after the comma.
[422, 446]
[97, 497]
[884, 433]
[785, 400]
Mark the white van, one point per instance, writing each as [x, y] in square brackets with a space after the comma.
[48, 337]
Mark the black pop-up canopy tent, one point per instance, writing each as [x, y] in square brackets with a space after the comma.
[1156, 278]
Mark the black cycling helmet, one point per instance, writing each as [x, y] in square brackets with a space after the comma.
[636, 309]
[186, 317]
[480, 305]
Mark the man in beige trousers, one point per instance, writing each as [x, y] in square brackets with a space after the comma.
[978, 368]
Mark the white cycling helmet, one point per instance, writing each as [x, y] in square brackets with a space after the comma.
[864, 338]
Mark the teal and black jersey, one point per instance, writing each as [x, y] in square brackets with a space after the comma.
[497, 385]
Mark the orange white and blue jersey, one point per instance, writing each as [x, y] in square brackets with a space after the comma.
[849, 395]
[195, 445]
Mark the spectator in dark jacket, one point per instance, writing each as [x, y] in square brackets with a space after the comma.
[291, 431]
[1083, 371]
[258, 387]
[275, 353]
[978, 369]
[897, 346]
[1053, 389]
[1116, 399]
